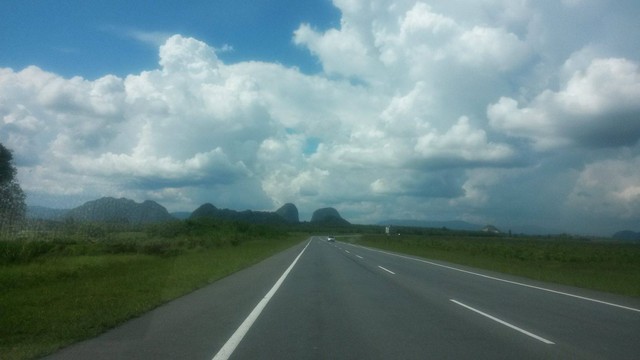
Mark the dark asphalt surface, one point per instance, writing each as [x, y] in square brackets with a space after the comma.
[346, 302]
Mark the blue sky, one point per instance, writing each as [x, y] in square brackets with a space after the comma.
[511, 113]
[95, 38]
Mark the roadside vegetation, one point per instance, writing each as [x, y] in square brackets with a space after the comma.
[67, 281]
[599, 265]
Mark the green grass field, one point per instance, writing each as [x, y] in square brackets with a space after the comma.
[56, 292]
[609, 267]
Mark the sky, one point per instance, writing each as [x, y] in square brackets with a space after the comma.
[506, 112]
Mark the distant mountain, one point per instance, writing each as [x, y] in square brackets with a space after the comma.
[123, 210]
[289, 212]
[328, 216]
[205, 210]
[255, 217]
[45, 213]
[627, 235]
[452, 225]
[181, 215]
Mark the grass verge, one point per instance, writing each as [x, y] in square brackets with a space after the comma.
[609, 267]
[51, 302]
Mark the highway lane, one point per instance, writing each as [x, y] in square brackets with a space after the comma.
[348, 302]
[340, 301]
[577, 320]
[194, 326]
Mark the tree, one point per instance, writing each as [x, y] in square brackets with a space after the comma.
[12, 198]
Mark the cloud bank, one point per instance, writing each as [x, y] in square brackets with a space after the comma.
[495, 112]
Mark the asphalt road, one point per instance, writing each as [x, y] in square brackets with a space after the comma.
[339, 301]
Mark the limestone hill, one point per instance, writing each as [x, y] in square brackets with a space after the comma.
[108, 209]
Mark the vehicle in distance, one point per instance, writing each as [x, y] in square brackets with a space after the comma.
[331, 238]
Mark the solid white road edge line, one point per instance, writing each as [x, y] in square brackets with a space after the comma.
[505, 281]
[387, 270]
[539, 338]
[229, 347]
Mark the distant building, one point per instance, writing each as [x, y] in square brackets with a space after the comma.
[491, 229]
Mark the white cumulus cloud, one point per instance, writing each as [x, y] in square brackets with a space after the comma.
[423, 109]
[608, 188]
[598, 106]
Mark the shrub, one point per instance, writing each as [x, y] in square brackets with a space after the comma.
[23, 251]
